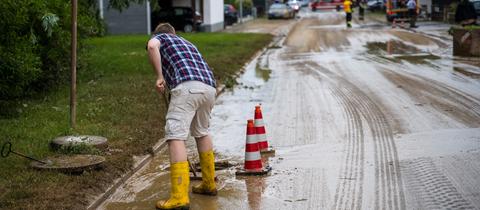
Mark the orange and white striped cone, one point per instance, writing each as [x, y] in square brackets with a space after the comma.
[261, 132]
[253, 160]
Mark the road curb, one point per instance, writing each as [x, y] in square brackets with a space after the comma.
[139, 164]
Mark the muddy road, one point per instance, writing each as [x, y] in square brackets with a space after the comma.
[365, 118]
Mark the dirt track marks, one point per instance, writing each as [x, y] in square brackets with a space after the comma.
[431, 186]
[349, 190]
[306, 189]
[304, 39]
[360, 108]
[451, 102]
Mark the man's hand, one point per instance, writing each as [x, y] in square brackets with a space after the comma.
[160, 85]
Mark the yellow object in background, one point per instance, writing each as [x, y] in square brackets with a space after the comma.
[347, 6]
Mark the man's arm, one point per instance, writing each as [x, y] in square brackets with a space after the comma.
[153, 48]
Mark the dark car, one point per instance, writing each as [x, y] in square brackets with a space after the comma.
[181, 18]
[230, 14]
[476, 4]
[375, 5]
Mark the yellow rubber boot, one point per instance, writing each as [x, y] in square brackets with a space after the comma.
[180, 180]
[207, 187]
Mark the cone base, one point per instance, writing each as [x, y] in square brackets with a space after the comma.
[263, 171]
[269, 150]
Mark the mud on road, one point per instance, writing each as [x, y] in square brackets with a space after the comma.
[363, 118]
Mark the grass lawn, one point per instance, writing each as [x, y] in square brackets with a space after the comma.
[116, 99]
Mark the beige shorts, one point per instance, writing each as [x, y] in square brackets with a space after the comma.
[189, 111]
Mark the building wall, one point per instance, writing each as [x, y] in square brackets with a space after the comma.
[428, 3]
[213, 17]
[130, 21]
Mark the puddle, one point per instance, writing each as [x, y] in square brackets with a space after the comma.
[418, 59]
[263, 73]
[467, 72]
[261, 67]
[391, 47]
[256, 72]
[397, 51]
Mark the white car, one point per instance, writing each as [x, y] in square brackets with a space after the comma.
[294, 4]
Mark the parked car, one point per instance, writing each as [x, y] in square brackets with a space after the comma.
[294, 4]
[181, 18]
[230, 14]
[375, 5]
[278, 10]
[476, 4]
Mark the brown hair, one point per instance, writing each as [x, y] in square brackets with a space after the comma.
[164, 28]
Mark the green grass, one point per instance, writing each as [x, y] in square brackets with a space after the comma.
[116, 99]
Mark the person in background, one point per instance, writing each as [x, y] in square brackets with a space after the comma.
[347, 7]
[361, 9]
[465, 14]
[412, 12]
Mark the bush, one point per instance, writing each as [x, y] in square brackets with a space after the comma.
[35, 43]
[247, 5]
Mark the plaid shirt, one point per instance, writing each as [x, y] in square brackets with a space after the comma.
[182, 62]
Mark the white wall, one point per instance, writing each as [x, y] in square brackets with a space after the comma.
[213, 13]
[428, 3]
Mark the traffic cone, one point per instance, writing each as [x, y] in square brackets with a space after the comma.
[253, 159]
[261, 132]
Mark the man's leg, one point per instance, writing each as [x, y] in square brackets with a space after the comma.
[179, 177]
[178, 152]
[349, 20]
[204, 144]
[412, 18]
[199, 129]
[207, 163]
[178, 116]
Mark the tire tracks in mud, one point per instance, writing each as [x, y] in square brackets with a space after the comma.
[305, 189]
[430, 185]
[352, 168]
[359, 107]
[447, 100]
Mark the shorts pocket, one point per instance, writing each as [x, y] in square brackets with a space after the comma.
[175, 127]
[197, 91]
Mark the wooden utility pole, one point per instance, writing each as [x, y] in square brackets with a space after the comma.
[73, 76]
[241, 11]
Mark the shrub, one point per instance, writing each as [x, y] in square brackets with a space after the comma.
[247, 4]
[35, 43]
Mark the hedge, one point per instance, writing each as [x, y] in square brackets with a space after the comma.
[35, 43]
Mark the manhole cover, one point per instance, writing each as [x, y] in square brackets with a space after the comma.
[97, 141]
[70, 163]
